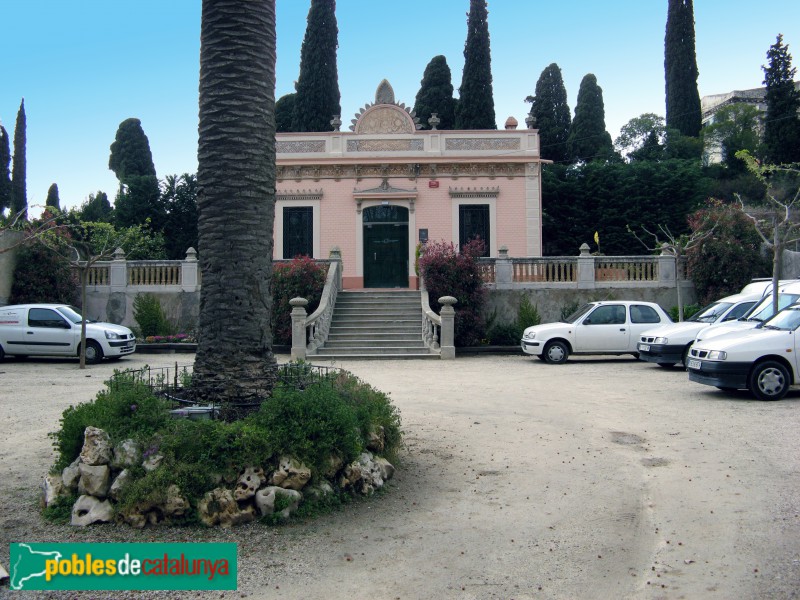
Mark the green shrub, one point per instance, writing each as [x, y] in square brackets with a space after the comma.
[448, 273]
[688, 311]
[150, 317]
[568, 309]
[41, 275]
[528, 314]
[303, 278]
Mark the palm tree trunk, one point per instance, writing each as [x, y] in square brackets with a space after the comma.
[235, 366]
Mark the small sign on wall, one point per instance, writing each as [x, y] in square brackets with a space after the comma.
[433, 184]
[423, 236]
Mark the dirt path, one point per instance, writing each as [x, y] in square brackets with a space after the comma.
[601, 478]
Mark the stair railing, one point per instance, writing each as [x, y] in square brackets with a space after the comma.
[431, 322]
[311, 332]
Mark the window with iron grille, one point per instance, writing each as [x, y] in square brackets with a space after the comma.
[473, 222]
[298, 231]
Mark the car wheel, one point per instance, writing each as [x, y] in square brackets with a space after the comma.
[94, 353]
[556, 353]
[769, 381]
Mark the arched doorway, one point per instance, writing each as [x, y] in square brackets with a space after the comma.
[385, 246]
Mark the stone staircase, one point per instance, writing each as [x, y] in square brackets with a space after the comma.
[375, 325]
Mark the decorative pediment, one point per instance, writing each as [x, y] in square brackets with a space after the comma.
[385, 115]
[385, 191]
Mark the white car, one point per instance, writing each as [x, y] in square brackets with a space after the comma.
[55, 330]
[669, 345]
[612, 327]
[787, 294]
[763, 360]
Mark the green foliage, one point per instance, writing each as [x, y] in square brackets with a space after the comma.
[509, 333]
[302, 277]
[475, 108]
[646, 130]
[317, 97]
[568, 309]
[130, 152]
[138, 202]
[284, 109]
[588, 139]
[179, 201]
[127, 410]
[735, 128]
[97, 209]
[52, 197]
[5, 173]
[435, 95]
[688, 311]
[782, 124]
[19, 169]
[42, 275]
[447, 273]
[725, 262]
[552, 114]
[150, 316]
[680, 69]
[528, 314]
[60, 510]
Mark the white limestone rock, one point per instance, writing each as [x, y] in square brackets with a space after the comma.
[291, 474]
[248, 483]
[152, 462]
[71, 474]
[96, 447]
[385, 468]
[52, 489]
[266, 500]
[319, 490]
[218, 507]
[376, 439]
[120, 481]
[126, 454]
[95, 480]
[88, 510]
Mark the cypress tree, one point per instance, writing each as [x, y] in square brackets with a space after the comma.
[52, 197]
[588, 139]
[435, 95]
[782, 125]
[284, 111]
[550, 110]
[475, 107]
[19, 191]
[680, 70]
[317, 99]
[130, 152]
[97, 209]
[5, 174]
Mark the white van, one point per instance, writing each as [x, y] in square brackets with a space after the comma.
[55, 330]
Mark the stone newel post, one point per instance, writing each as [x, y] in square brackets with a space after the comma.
[504, 268]
[585, 268]
[448, 315]
[298, 328]
[118, 271]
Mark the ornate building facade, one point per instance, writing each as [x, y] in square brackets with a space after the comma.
[385, 186]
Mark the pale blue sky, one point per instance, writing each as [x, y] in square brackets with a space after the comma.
[87, 65]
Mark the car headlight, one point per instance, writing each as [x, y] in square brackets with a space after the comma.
[661, 340]
[112, 335]
[717, 355]
[529, 335]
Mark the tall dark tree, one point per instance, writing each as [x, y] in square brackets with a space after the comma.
[19, 168]
[284, 112]
[551, 113]
[138, 198]
[588, 139]
[475, 107]
[5, 173]
[234, 365]
[782, 124]
[52, 197]
[435, 95]
[97, 209]
[179, 198]
[318, 97]
[680, 70]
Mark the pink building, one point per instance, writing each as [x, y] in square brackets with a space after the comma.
[377, 191]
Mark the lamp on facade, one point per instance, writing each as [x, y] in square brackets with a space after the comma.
[434, 121]
[336, 122]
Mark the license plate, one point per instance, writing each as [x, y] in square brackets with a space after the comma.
[693, 364]
[644, 348]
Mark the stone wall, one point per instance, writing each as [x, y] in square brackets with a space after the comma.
[8, 260]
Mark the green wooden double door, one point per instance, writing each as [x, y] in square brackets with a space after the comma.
[385, 247]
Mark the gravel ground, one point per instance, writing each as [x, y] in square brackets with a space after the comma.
[600, 478]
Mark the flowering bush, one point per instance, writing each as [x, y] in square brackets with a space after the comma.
[178, 338]
[302, 277]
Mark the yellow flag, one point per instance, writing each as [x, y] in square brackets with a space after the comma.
[596, 238]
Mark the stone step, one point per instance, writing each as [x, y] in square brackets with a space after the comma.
[377, 351]
[334, 357]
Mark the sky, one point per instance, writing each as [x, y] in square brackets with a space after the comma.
[83, 67]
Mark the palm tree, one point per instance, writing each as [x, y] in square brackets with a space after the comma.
[235, 366]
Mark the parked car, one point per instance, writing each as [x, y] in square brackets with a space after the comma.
[669, 345]
[787, 294]
[763, 360]
[55, 330]
[612, 327]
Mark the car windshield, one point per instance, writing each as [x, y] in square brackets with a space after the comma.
[578, 313]
[763, 310]
[711, 313]
[71, 313]
[788, 319]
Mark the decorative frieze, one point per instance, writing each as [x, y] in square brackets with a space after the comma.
[481, 144]
[385, 145]
[300, 146]
[407, 170]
